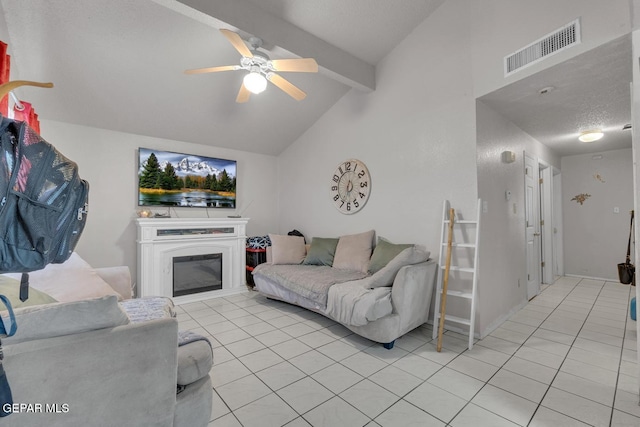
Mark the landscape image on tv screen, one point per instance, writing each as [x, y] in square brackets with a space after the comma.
[166, 178]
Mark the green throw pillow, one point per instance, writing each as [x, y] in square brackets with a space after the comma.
[11, 289]
[384, 252]
[321, 252]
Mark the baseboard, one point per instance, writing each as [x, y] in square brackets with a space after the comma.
[492, 327]
[454, 329]
[500, 320]
[593, 278]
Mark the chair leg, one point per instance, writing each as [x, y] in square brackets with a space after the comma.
[389, 345]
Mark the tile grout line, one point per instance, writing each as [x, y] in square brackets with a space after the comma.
[624, 335]
[398, 398]
[566, 356]
[513, 355]
[299, 415]
[485, 382]
[502, 366]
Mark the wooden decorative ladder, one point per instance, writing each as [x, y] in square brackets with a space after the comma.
[451, 225]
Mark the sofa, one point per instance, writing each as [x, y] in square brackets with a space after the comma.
[379, 291]
[86, 354]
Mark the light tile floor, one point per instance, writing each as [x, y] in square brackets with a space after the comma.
[566, 359]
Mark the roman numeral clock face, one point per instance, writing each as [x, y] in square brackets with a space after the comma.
[350, 186]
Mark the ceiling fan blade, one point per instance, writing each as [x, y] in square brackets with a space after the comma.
[237, 42]
[212, 69]
[243, 94]
[302, 65]
[287, 86]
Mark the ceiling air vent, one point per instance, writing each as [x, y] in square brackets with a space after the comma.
[550, 44]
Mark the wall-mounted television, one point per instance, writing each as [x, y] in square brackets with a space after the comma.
[166, 178]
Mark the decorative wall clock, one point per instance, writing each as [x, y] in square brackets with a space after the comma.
[350, 186]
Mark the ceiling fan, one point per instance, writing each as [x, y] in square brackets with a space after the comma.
[261, 68]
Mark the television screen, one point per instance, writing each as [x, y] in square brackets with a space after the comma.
[166, 178]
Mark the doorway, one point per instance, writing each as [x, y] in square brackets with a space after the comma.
[541, 233]
[531, 224]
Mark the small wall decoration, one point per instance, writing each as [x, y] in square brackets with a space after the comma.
[598, 177]
[350, 186]
[580, 198]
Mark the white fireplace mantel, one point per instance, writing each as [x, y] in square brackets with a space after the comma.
[162, 239]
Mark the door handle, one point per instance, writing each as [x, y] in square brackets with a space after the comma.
[536, 234]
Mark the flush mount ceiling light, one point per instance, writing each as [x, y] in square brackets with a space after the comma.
[255, 82]
[591, 135]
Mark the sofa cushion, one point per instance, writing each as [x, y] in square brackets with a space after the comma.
[321, 252]
[57, 319]
[387, 274]
[384, 252]
[287, 249]
[353, 251]
[73, 280]
[10, 288]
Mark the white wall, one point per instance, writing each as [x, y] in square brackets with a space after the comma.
[108, 160]
[501, 27]
[595, 238]
[415, 133]
[502, 281]
[635, 109]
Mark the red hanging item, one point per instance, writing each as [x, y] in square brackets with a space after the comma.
[5, 68]
[26, 114]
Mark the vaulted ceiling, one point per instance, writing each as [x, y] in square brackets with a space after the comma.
[119, 64]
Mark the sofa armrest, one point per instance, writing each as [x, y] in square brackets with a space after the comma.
[119, 278]
[121, 376]
[412, 292]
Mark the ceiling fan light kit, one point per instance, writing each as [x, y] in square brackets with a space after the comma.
[255, 82]
[261, 68]
[591, 135]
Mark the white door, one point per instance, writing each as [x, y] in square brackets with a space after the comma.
[558, 259]
[546, 223]
[532, 233]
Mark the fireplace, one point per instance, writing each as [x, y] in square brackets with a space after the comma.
[191, 259]
[197, 273]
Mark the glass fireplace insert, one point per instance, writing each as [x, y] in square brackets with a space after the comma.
[197, 273]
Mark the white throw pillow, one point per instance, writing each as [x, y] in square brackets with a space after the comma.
[287, 249]
[73, 280]
[353, 251]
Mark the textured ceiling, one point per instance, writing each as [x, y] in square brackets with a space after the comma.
[591, 91]
[119, 65]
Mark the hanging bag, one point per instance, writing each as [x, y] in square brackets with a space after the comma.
[626, 270]
[8, 327]
[43, 207]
